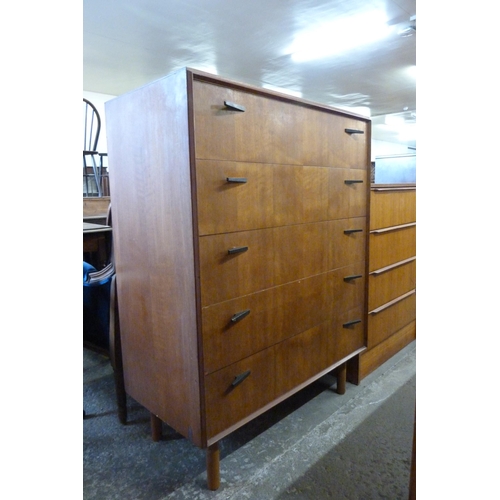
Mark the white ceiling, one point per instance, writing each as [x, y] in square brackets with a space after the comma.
[128, 43]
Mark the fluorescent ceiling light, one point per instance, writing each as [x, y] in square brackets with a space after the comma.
[340, 36]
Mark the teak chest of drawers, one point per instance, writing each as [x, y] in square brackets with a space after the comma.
[240, 233]
[392, 263]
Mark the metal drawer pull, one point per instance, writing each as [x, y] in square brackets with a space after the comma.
[353, 131]
[392, 228]
[232, 105]
[351, 323]
[353, 181]
[392, 266]
[234, 250]
[350, 231]
[240, 180]
[240, 315]
[392, 302]
[353, 277]
[239, 378]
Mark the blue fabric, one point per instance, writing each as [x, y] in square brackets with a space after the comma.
[87, 268]
[96, 300]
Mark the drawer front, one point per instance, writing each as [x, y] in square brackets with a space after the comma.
[267, 131]
[300, 194]
[227, 401]
[235, 329]
[225, 275]
[276, 256]
[391, 319]
[303, 356]
[348, 333]
[324, 141]
[347, 241]
[258, 195]
[389, 247]
[392, 208]
[348, 287]
[235, 196]
[272, 130]
[386, 286]
[348, 193]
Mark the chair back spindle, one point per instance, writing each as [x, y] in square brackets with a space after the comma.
[95, 173]
[91, 126]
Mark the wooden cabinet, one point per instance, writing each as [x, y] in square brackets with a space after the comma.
[392, 275]
[240, 219]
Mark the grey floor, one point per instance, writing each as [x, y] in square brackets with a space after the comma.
[315, 445]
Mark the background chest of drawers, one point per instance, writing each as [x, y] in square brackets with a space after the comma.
[240, 232]
[392, 276]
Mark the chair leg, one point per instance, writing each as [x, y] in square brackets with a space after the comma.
[115, 353]
[121, 397]
[96, 176]
[86, 177]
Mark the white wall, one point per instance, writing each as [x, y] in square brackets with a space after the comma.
[384, 148]
[98, 101]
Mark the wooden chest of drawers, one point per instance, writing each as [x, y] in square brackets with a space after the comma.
[240, 230]
[392, 275]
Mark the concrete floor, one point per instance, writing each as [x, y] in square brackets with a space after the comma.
[315, 445]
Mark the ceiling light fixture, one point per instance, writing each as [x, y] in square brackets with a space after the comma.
[340, 36]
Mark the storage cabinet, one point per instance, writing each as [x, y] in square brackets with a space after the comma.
[392, 275]
[240, 219]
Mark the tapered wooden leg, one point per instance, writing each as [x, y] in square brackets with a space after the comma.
[341, 378]
[353, 370]
[213, 467]
[156, 428]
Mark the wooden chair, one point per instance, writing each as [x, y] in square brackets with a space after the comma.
[94, 174]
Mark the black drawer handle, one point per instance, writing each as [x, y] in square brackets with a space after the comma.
[240, 315]
[239, 378]
[234, 106]
[353, 277]
[350, 231]
[353, 181]
[234, 250]
[351, 323]
[239, 180]
[354, 131]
